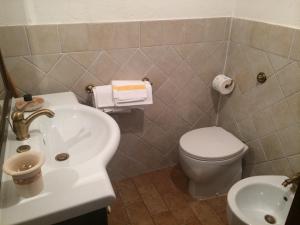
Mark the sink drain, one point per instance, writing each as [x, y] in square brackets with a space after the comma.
[270, 219]
[23, 148]
[62, 157]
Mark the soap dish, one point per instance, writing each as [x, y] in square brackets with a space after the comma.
[29, 106]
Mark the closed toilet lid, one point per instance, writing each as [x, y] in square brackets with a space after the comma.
[211, 143]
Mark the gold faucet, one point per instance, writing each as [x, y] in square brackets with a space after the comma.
[294, 180]
[21, 125]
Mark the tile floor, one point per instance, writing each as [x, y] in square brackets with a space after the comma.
[160, 198]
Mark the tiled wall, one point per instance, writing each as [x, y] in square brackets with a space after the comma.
[180, 57]
[266, 116]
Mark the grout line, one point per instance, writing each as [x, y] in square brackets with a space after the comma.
[292, 44]
[224, 68]
[27, 40]
[59, 38]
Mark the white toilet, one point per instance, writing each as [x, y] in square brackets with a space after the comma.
[212, 159]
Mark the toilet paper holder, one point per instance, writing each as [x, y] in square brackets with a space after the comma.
[89, 87]
[229, 85]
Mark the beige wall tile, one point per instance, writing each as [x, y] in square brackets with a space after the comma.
[104, 68]
[135, 68]
[24, 74]
[259, 62]
[247, 129]
[278, 62]
[121, 56]
[215, 29]
[185, 50]
[270, 92]
[162, 32]
[84, 58]
[295, 163]
[282, 167]
[194, 32]
[294, 104]
[43, 39]
[214, 64]
[167, 92]
[272, 147]
[263, 122]
[189, 111]
[120, 161]
[295, 51]
[241, 31]
[259, 35]
[165, 57]
[264, 168]
[182, 75]
[114, 35]
[48, 85]
[13, 41]
[156, 76]
[290, 139]
[255, 153]
[74, 37]
[159, 138]
[289, 79]
[66, 71]
[155, 110]
[80, 85]
[282, 115]
[44, 62]
[280, 40]
[201, 30]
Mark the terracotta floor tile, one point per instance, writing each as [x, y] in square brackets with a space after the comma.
[175, 201]
[152, 199]
[118, 215]
[162, 182]
[128, 192]
[185, 216]
[223, 217]
[205, 213]
[218, 204]
[138, 214]
[142, 180]
[179, 179]
[165, 218]
[161, 198]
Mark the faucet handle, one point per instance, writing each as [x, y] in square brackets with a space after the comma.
[17, 116]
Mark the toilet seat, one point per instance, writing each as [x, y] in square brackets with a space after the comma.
[211, 144]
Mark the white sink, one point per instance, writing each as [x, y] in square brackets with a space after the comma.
[72, 187]
[85, 133]
[259, 200]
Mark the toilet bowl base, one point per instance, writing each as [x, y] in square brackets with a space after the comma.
[219, 184]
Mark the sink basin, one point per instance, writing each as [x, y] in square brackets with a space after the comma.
[259, 200]
[82, 132]
[78, 184]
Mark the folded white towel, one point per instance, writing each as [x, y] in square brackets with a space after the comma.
[129, 91]
[147, 101]
[103, 96]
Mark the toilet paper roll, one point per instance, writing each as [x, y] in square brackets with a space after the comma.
[223, 84]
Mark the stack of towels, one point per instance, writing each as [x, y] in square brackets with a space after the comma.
[122, 93]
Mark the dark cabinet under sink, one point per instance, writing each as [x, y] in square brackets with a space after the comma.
[98, 217]
[294, 214]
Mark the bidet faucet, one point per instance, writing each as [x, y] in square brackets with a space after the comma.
[21, 125]
[294, 180]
